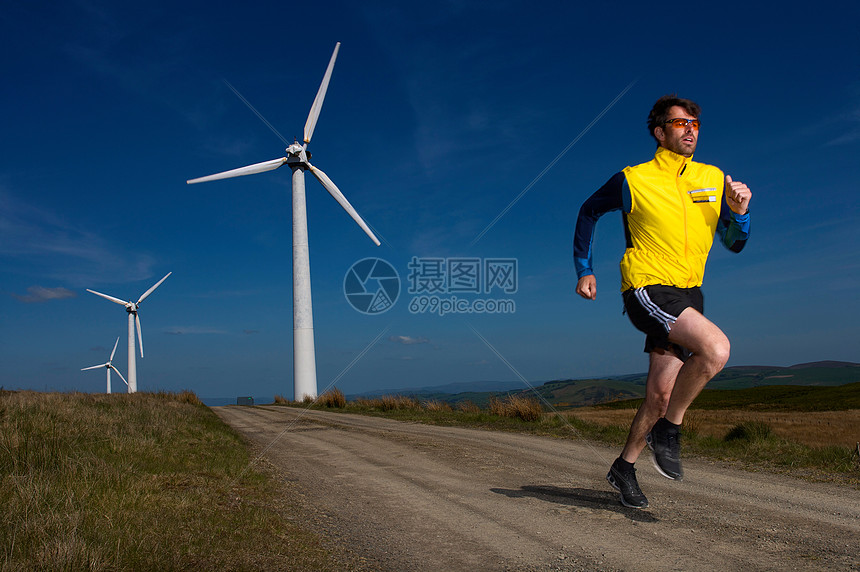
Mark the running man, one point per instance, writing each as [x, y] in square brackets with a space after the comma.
[672, 207]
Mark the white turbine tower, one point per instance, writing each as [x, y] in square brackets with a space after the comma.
[133, 320]
[109, 366]
[304, 361]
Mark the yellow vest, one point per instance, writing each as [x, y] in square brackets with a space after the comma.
[674, 210]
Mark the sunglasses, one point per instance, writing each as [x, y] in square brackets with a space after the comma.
[681, 123]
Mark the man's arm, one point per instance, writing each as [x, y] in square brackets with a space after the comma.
[607, 198]
[733, 227]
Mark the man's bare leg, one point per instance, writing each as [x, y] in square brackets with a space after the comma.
[710, 351]
[662, 371]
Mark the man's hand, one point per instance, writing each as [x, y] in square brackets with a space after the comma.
[587, 287]
[738, 196]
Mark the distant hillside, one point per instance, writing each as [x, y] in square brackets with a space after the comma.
[773, 398]
[447, 389]
[815, 374]
[583, 392]
[822, 373]
[825, 364]
[577, 393]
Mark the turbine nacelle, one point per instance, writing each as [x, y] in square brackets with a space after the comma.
[298, 151]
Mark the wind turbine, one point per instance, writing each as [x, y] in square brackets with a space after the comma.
[133, 320]
[304, 361]
[109, 366]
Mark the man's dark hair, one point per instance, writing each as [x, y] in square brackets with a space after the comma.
[660, 112]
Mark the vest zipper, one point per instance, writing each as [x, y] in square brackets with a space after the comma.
[686, 226]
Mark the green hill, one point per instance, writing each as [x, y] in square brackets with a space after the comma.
[783, 398]
[577, 393]
[780, 387]
[739, 377]
[816, 374]
[772, 398]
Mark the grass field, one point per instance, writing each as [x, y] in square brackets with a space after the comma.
[813, 416]
[812, 428]
[139, 482]
[771, 398]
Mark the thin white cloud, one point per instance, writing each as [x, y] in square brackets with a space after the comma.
[43, 242]
[193, 330]
[408, 340]
[456, 111]
[841, 127]
[36, 294]
[113, 50]
[227, 294]
[850, 122]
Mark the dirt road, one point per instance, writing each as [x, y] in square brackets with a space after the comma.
[406, 496]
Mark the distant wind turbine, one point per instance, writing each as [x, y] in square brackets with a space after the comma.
[133, 320]
[304, 361]
[109, 366]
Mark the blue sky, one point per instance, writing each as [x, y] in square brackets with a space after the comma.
[437, 118]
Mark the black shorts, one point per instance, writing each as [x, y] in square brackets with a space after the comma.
[653, 310]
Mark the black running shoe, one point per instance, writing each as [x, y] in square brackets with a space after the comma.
[665, 443]
[625, 483]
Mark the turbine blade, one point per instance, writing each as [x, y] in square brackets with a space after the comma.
[114, 350]
[151, 290]
[338, 196]
[119, 374]
[318, 100]
[139, 334]
[111, 298]
[93, 367]
[241, 171]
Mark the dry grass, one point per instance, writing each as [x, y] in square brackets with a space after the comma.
[281, 400]
[184, 396]
[332, 398]
[468, 407]
[398, 402]
[516, 407]
[812, 428]
[389, 403]
[434, 405]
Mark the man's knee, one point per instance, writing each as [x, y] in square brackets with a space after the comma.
[716, 354]
[707, 342]
[658, 401]
[723, 352]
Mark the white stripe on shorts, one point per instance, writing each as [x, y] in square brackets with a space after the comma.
[654, 310]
